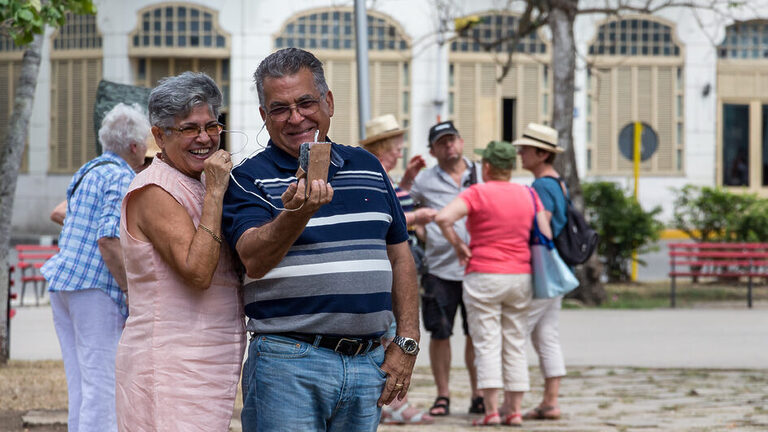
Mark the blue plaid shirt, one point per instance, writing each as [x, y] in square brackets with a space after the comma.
[93, 212]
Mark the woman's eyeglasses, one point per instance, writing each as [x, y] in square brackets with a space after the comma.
[305, 108]
[192, 131]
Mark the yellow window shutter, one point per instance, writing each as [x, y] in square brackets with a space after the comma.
[665, 122]
[529, 100]
[486, 111]
[182, 65]
[387, 89]
[509, 84]
[645, 108]
[466, 104]
[93, 76]
[159, 68]
[343, 123]
[78, 119]
[624, 112]
[603, 132]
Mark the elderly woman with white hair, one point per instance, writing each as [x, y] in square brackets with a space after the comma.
[87, 277]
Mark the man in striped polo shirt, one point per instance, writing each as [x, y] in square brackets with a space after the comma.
[324, 272]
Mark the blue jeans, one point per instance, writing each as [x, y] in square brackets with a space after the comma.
[290, 385]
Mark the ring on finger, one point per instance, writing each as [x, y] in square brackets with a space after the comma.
[399, 385]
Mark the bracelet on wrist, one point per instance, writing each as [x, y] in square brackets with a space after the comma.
[208, 230]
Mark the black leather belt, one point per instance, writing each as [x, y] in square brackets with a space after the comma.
[341, 345]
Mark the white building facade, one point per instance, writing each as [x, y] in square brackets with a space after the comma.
[698, 79]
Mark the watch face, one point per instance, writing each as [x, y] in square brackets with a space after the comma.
[410, 345]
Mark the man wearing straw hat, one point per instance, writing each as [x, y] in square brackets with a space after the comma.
[435, 187]
[537, 149]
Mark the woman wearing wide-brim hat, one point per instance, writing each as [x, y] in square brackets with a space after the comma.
[384, 138]
[537, 149]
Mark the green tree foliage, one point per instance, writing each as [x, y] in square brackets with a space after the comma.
[622, 224]
[22, 20]
[715, 214]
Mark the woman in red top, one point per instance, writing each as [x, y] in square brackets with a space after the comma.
[497, 285]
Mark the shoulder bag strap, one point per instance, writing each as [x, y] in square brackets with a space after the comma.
[80, 180]
[472, 174]
[561, 182]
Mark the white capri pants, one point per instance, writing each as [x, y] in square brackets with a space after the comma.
[544, 329]
[497, 312]
[88, 324]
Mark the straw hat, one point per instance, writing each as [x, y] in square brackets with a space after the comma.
[537, 135]
[152, 148]
[381, 127]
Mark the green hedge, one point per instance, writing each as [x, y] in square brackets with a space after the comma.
[718, 215]
[623, 227]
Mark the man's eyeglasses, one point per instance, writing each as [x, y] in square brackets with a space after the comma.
[192, 131]
[305, 108]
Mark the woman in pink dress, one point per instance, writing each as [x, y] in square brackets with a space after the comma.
[179, 358]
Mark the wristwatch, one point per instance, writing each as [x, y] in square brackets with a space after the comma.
[408, 345]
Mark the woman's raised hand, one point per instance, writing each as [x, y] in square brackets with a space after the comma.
[217, 168]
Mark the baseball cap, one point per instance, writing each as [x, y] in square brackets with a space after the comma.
[500, 154]
[441, 129]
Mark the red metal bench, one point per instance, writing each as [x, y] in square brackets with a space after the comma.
[721, 260]
[30, 259]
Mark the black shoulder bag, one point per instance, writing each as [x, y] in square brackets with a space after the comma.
[577, 241]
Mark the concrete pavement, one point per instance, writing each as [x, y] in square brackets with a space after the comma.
[696, 338]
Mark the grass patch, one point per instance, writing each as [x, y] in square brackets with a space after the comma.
[653, 295]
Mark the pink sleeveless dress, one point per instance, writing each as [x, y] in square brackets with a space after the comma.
[179, 358]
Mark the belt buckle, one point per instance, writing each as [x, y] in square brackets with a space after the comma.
[349, 341]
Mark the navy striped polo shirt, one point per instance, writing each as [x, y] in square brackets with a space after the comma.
[336, 279]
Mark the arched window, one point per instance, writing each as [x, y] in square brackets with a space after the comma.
[636, 74]
[481, 107]
[179, 26]
[336, 30]
[634, 37]
[76, 67]
[330, 35]
[177, 37]
[745, 40]
[496, 33]
[742, 103]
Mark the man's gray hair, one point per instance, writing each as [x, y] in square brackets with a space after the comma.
[122, 126]
[175, 97]
[286, 62]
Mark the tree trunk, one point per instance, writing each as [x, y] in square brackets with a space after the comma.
[561, 17]
[10, 160]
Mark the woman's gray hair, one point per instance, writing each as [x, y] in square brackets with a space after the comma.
[175, 97]
[286, 62]
[122, 126]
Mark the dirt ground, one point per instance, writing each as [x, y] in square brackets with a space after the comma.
[592, 399]
[27, 385]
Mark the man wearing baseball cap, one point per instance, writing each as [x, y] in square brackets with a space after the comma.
[435, 187]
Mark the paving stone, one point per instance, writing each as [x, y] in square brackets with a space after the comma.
[45, 418]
